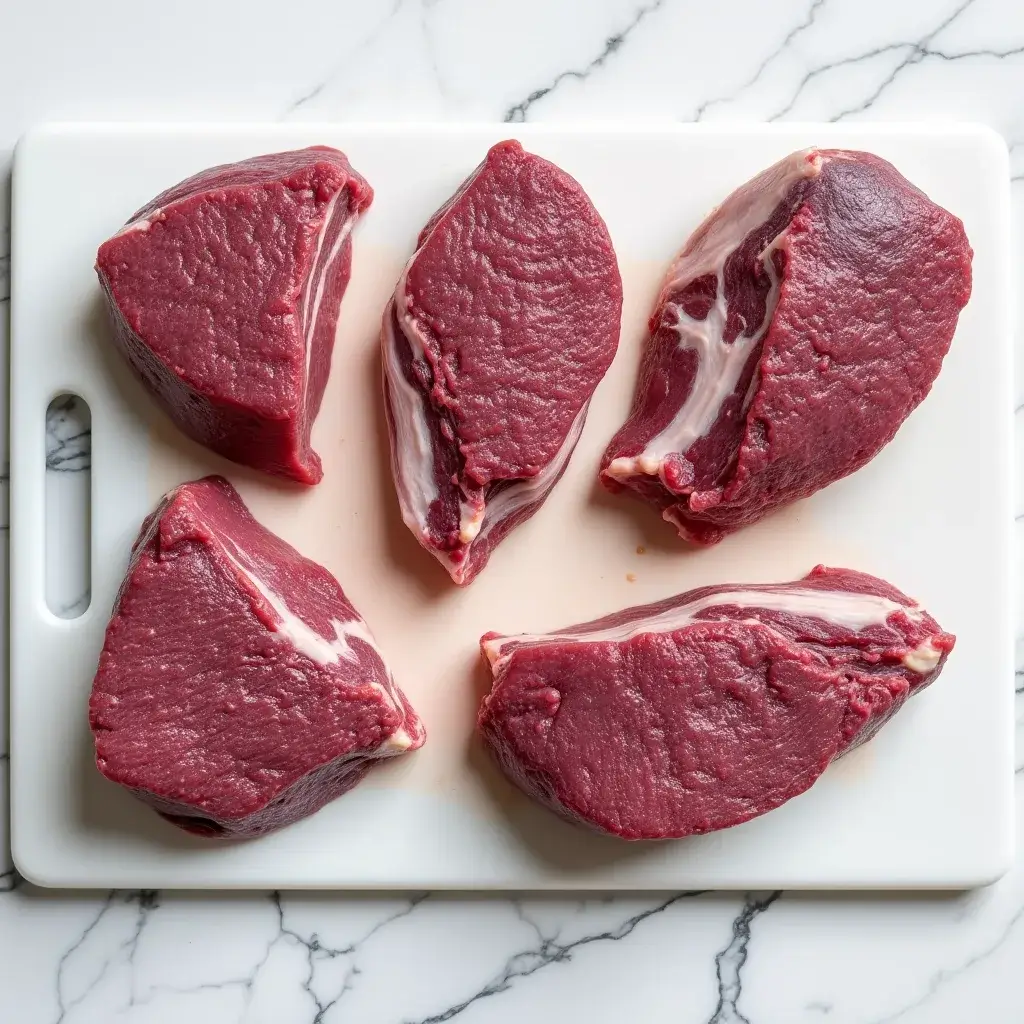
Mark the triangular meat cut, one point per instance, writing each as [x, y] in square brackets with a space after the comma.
[224, 294]
[707, 709]
[238, 690]
[805, 319]
[502, 325]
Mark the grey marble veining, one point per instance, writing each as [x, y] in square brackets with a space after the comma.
[901, 55]
[520, 111]
[760, 958]
[68, 436]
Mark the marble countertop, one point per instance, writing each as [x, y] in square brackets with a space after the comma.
[688, 958]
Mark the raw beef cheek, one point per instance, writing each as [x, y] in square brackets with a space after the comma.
[803, 322]
[224, 295]
[502, 325]
[238, 690]
[707, 709]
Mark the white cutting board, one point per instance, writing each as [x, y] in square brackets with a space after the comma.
[925, 804]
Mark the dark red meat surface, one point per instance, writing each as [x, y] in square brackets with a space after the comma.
[802, 323]
[708, 709]
[500, 329]
[238, 690]
[224, 295]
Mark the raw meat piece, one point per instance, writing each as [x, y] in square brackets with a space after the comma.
[502, 325]
[238, 690]
[707, 709]
[224, 294]
[803, 322]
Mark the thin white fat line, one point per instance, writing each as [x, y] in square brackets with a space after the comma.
[412, 447]
[320, 237]
[510, 499]
[311, 309]
[525, 491]
[323, 651]
[346, 230]
[302, 636]
[142, 224]
[849, 610]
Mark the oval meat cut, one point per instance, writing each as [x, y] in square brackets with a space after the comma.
[238, 690]
[224, 294]
[707, 709]
[801, 324]
[502, 325]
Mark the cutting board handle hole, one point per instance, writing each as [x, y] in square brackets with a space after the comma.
[68, 506]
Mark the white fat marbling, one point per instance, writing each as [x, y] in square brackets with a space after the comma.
[306, 640]
[311, 305]
[719, 363]
[524, 492]
[673, 958]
